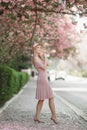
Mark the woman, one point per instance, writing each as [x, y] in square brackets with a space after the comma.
[43, 90]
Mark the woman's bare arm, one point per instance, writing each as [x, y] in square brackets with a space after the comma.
[38, 63]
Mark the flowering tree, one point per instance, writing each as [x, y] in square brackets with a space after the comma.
[22, 22]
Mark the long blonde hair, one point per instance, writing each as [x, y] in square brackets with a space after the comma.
[34, 52]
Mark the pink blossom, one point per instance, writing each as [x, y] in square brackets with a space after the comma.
[6, 1]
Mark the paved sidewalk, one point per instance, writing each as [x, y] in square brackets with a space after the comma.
[20, 113]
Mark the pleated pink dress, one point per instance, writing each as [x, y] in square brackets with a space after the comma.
[43, 90]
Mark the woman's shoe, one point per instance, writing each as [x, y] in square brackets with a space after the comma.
[39, 121]
[54, 120]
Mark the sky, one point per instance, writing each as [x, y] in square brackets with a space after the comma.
[80, 22]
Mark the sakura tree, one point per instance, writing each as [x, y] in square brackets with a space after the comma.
[23, 22]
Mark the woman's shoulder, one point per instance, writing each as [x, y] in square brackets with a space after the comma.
[35, 58]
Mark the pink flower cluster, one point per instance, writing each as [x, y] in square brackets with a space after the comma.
[6, 1]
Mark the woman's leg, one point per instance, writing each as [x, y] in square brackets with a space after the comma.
[38, 109]
[52, 108]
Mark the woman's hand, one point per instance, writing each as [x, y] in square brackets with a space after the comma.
[46, 64]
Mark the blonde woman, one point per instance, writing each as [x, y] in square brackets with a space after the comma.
[43, 90]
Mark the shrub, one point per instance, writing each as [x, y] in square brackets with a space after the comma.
[22, 61]
[84, 74]
[11, 82]
[23, 78]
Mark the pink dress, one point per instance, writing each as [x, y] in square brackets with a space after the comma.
[43, 90]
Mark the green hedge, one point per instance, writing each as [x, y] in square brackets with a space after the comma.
[11, 82]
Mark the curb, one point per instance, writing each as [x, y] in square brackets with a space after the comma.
[12, 99]
[78, 111]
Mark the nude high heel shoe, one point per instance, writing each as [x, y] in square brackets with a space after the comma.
[37, 120]
[54, 120]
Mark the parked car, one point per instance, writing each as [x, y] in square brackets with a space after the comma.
[51, 75]
[61, 75]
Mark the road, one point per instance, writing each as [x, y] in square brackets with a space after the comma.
[75, 93]
[19, 113]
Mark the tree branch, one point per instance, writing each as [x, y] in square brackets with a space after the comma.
[34, 29]
[60, 12]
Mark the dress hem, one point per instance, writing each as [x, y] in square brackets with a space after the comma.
[43, 98]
